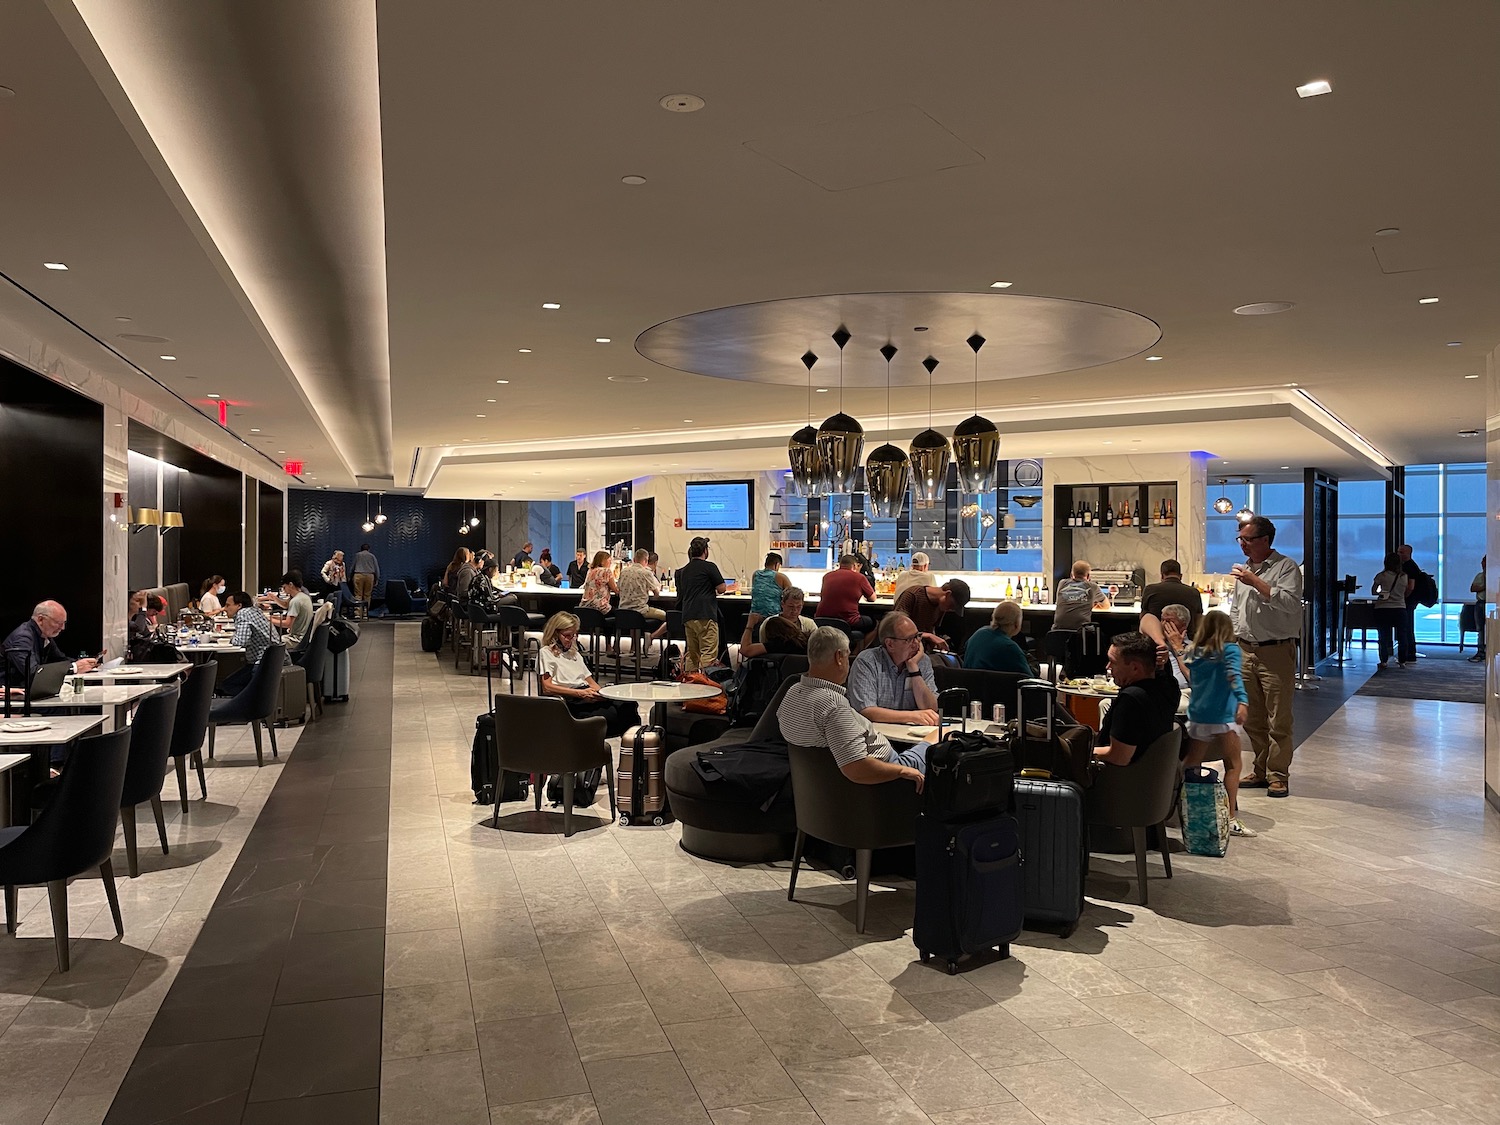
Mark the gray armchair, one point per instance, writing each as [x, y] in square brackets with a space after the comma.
[838, 811]
[1139, 796]
[537, 734]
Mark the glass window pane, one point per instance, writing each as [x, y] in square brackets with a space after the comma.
[1422, 493]
[1463, 546]
[1422, 534]
[1223, 552]
[1464, 493]
[1361, 547]
[1361, 498]
[1289, 537]
[1282, 499]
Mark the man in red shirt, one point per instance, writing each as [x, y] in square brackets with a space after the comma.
[842, 590]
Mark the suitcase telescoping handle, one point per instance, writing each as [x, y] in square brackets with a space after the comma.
[1038, 695]
[953, 695]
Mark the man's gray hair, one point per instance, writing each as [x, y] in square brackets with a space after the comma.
[642, 555]
[825, 644]
[1006, 617]
[890, 623]
[791, 593]
[1177, 613]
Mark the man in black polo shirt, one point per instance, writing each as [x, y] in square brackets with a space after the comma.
[1172, 590]
[1146, 707]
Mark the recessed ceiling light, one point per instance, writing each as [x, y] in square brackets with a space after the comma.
[1455, 343]
[1153, 359]
[253, 430]
[213, 396]
[633, 181]
[1001, 284]
[920, 328]
[1471, 376]
[123, 319]
[627, 378]
[489, 400]
[550, 305]
[601, 339]
[501, 382]
[281, 451]
[166, 357]
[1427, 300]
[1286, 466]
[55, 265]
[1387, 232]
[687, 419]
[682, 103]
[1264, 308]
[1314, 88]
[479, 415]
[1109, 443]
[524, 351]
[141, 338]
[822, 390]
[1468, 433]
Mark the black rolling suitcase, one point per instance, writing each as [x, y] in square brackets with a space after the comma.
[432, 634]
[1041, 742]
[969, 877]
[1054, 840]
[484, 764]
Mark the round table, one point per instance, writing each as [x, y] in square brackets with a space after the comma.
[659, 693]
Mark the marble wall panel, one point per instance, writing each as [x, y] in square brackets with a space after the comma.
[1492, 595]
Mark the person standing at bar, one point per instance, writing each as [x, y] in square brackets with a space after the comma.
[1267, 624]
[699, 585]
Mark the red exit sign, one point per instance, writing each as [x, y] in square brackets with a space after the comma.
[293, 468]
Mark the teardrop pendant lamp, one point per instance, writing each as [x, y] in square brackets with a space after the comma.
[802, 449]
[930, 452]
[976, 440]
[888, 471]
[841, 439]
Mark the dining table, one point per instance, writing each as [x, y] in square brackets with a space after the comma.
[139, 673]
[34, 739]
[114, 701]
[659, 693]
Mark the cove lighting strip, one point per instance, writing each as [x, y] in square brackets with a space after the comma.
[1350, 434]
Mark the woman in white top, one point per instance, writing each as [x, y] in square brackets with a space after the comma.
[565, 674]
[208, 598]
[1389, 588]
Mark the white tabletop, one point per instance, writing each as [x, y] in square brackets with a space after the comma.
[11, 761]
[906, 732]
[207, 645]
[61, 729]
[97, 695]
[142, 673]
[660, 691]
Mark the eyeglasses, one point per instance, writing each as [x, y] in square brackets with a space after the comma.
[569, 633]
[1247, 538]
[906, 639]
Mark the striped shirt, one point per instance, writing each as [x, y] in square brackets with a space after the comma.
[253, 633]
[874, 681]
[816, 712]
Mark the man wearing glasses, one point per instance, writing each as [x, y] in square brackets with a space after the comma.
[1267, 623]
[891, 681]
[34, 643]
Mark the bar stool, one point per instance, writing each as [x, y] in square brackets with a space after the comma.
[596, 625]
[512, 623]
[638, 627]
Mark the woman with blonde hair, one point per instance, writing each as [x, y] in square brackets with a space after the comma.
[1213, 665]
[564, 673]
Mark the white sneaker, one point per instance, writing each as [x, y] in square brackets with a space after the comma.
[1238, 829]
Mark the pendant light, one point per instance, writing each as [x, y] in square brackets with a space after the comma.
[463, 521]
[1223, 504]
[802, 449]
[369, 524]
[888, 471]
[841, 439]
[930, 452]
[380, 509]
[1244, 514]
[976, 441]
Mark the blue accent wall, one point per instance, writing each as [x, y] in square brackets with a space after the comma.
[416, 541]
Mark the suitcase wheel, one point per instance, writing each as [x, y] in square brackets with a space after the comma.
[952, 968]
[624, 820]
[658, 821]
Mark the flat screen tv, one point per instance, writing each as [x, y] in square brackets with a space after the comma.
[721, 505]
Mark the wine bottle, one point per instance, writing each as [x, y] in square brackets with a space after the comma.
[1125, 513]
[1109, 516]
[1171, 515]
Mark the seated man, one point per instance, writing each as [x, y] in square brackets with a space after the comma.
[1172, 590]
[891, 681]
[638, 583]
[34, 643]
[993, 648]
[1173, 618]
[841, 592]
[298, 618]
[816, 711]
[918, 575]
[928, 605]
[1146, 707]
[253, 633]
[1077, 598]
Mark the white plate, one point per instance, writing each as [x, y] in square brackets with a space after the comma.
[127, 671]
[23, 726]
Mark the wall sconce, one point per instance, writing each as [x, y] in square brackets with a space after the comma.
[142, 518]
[170, 521]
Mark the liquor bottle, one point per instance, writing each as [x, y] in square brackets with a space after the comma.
[1107, 520]
[1088, 515]
[1171, 515]
[1125, 514]
[1156, 514]
[1073, 516]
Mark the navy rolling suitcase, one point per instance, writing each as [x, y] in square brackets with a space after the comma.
[968, 887]
[1054, 839]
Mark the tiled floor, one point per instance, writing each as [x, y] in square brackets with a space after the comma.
[1343, 967]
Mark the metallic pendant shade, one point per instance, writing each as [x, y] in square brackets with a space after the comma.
[976, 440]
[841, 439]
[930, 452]
[887, 475]
[802, 456]
[840, 445]
[888, 471]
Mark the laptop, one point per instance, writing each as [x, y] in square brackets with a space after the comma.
[47, 681]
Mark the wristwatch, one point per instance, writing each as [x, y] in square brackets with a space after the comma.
[910, 673]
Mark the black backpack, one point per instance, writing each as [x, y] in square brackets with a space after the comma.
[1427, 590]
[753, 689]
[585, 788]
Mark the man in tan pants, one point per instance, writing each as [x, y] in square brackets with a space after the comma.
[1268, 623]
[699, 584]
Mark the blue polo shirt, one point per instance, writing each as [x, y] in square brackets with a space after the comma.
[875, 682]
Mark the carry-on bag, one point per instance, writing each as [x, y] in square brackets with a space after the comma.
[336, 677]
[585, 788]
[432, 634]
[969, 879]
[1054, 840]
[1044, 741]
[291, 706]
[640, 790]
[484, 764]
[969, 773]
[1205, 812]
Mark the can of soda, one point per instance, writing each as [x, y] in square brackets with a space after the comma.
[997, 713]
[976, 710]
